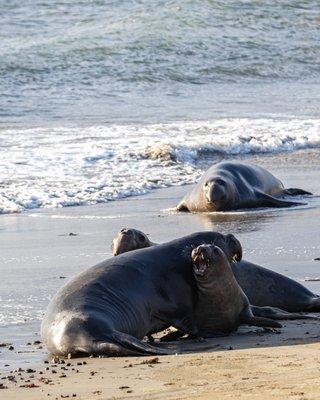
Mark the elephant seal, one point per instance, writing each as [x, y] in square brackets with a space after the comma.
[233, 185]
[262, 286]
[222, 305]
[110, 307]
[129, 239]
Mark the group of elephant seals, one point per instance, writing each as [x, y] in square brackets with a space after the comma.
[233, 185]
[222, 305]
[263, 287]
[110, 307]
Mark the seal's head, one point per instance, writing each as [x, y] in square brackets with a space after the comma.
[218, 194]
[129, 239]
[207, 260]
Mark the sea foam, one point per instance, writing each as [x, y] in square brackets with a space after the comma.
[67, 166]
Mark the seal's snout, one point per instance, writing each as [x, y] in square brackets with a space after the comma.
[215, 190]
[126, 231]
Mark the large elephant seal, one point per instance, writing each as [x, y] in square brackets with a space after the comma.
[262, 286]
[233, 185]
[110, 307]
[222, 305]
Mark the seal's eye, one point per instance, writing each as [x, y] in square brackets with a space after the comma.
[220, 181]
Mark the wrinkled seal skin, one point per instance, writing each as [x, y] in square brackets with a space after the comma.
[110, 307]
[262, 286]
[233, 185]
[222, 305]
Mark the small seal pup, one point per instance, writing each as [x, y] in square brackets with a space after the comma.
[222, 305]
[233, 185]
[109, 308]
[264, 288]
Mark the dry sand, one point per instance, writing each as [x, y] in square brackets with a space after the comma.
[37, 251]
[252, 364]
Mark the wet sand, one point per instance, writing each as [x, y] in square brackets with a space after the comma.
[38, 255]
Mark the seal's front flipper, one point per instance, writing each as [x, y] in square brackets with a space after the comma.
[246, 317]
[277, 313]
[121, 344]
[186, 324]
[172, 336]
[182, 206]
[265, 200]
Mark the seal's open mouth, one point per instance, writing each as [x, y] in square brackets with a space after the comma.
[200, 264]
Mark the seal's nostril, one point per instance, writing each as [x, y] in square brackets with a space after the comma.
[216, 251]
[123, 230]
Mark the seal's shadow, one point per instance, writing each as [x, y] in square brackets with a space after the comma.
[293, 332]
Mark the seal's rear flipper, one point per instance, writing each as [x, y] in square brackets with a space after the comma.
[265, 200]
[121, 344]
[246, 317]
[314, 305]
[277, 313]
[182, 206]
[296, 192]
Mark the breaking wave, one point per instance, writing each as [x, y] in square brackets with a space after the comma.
[67, 166]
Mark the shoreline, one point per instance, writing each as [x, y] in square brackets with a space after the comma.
[41, 255]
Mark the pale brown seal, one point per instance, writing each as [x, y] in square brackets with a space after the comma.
[233, 185]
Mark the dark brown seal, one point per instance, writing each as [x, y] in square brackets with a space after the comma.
[222, 305]
[110, 307]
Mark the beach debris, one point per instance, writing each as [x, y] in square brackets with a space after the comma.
[154, 360]
[97, 392]
[2, 386]
[73, 234]
[30, 371]
[317, 259]
[10, 348]
[30, 385]
[307, 279]
[124, 387]
[92, 373]
[5, 344]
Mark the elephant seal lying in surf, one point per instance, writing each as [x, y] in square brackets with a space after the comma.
[233, 185]
[262, 286]
[222, 305]
[110, 307]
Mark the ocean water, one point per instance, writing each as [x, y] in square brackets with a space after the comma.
[102, 100]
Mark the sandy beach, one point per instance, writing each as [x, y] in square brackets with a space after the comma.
[45, 248]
